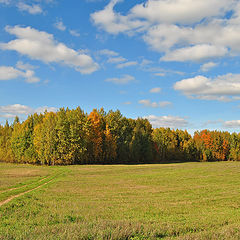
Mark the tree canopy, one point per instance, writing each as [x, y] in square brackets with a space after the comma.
[75, 137]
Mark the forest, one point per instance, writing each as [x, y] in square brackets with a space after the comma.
[75, 137]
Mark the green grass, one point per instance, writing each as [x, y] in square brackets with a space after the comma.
[13, 176]
[169, 201]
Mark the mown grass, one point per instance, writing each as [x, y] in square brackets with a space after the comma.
[169, 201]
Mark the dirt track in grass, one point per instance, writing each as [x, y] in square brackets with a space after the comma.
[23, 193]
[15, 188]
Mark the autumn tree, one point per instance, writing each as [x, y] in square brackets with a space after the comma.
[77, 135]
[95, 137]
[45, 139]
[141, 145]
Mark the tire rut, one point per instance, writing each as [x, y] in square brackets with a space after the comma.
[15, 188]
[21, 194]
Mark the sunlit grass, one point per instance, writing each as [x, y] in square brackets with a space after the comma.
[12, 176]
[185, 201]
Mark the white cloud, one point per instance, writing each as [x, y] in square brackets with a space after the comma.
[18, 109]
[116, 60]
[127, 64]
[32, 9]
[74, 33]
[167, 121]
[127, 103]
[30, 78]
[122, 80]
[113, 22]
[180, 11]
[232, 124]
[195, 53]
[207, 66]
[42, 46]
[108, 52]
[218, 33]
[158, 11]
[10, 73]
[155, 90]
[148, 103]
[219, 88]
[185, 30]
[60, 25]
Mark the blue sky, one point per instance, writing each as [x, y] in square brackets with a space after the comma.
[175, 62]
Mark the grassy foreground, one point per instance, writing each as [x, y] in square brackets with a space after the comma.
[170, 201]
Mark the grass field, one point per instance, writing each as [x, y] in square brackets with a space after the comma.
[169, 201]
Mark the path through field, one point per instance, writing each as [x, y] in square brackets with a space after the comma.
[20, 194]
[24, 187]
[15, 188]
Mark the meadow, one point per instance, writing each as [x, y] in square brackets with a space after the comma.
[158, 201]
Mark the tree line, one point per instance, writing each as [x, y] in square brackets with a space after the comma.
[75, 137]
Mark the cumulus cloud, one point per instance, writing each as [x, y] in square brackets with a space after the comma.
[10, 73]
[185, 30]
[214, 35]
[113, 22]
[195, 53]
[220, 88]
[208, 66]
[16, 109]
[32, 9]
[42, 46]
[122, 80]
[155, 90]
[148, 103]
[167, 121]
[10, 111]
[180, 11]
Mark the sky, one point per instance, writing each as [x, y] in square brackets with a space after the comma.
[174, 62]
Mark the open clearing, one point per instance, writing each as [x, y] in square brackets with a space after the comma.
[170, 201]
